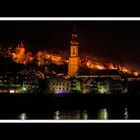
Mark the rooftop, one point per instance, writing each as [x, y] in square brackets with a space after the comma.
[99, 72]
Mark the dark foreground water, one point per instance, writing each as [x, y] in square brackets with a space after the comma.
[100, 114]
[69, 107]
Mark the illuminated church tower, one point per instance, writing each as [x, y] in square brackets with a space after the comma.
[73, 65]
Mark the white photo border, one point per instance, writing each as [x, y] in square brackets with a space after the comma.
[69, 19]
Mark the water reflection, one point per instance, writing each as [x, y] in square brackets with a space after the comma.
[93, 114]
[68, 115]
[23, 116]
[56, 115]
[102, 114]
[85, 115]
[126, 113]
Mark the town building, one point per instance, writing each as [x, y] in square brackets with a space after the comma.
[59, 85]
[17, 83]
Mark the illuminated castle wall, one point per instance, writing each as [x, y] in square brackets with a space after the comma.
[73, 65]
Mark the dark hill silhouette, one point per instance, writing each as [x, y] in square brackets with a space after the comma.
[6, 65]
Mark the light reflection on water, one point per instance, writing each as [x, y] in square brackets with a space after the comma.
[126, 113]
[100, 114]
[85, 115]
[58, 115]
[23, 116]
[103, 114]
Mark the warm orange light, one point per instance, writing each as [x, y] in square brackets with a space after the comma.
[88, 64]
[99, 67]
[19, 56]
[43, 57]
[136, 73]
[94, 65]
[124, 69]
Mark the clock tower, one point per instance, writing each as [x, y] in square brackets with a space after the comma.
[73, 65]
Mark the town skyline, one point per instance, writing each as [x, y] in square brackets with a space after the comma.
[117, 41]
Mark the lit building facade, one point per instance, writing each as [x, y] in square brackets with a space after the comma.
[17, 83]
[59, 85]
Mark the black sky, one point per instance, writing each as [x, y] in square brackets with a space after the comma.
[118, 41]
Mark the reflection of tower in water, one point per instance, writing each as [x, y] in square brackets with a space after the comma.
[69, 115]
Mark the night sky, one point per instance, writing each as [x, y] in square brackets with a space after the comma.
[118, 41]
